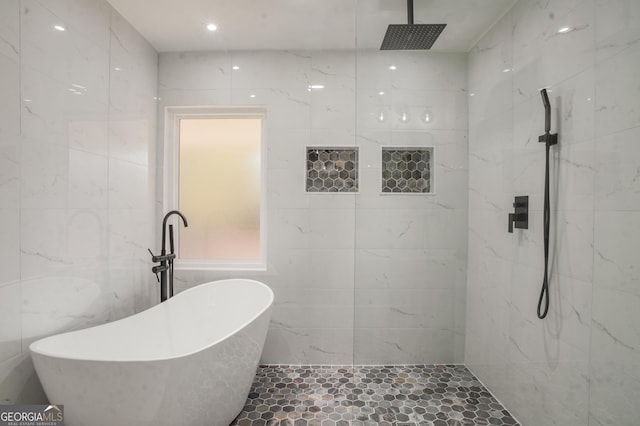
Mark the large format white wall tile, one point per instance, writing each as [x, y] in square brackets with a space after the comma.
[404, 308]
[309, 346]
[617, 91]
[306, 268]
[617, 186]
[396, 269]
[10, 246]
[9, 133]
[307, 308]
[57, 158]
[90, 18]
[579, 365]
[403, 346]
[11, 331]
[88, 180]
[617, 26]
[335, 70]
[332, 108]
[54, 304]
[271, 70]
[10, 29]
[540, 56]
[488, 63]
[615, 358]
[69, 57]
[312, 237]
[195, 71]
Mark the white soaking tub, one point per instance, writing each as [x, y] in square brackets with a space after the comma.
[188, 361]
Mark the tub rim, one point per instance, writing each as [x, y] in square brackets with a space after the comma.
[33, 347]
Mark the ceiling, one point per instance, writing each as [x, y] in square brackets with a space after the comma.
[179, 25]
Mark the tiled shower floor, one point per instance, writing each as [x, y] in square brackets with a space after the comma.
[426, 395]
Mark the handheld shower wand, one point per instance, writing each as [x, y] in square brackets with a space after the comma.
[548, 139]
[547, 112]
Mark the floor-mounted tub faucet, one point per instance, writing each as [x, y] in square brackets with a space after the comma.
[165, 268]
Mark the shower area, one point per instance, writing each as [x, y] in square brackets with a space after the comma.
[367, 268]
[393, 272]
[409, 264]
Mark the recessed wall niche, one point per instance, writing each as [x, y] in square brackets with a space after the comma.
[332, 169]
[407, 170]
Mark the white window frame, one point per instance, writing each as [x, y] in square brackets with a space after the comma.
[171, 177]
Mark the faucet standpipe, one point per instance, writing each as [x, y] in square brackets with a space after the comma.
[165, 268]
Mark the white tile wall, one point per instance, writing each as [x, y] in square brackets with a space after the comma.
[76, 141]
[580, 365]
[324, 247]
[363, 277]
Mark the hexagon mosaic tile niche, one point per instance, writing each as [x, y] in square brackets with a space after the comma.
[407, 170]
[332, 169]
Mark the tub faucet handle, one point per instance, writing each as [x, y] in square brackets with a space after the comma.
[154, 259]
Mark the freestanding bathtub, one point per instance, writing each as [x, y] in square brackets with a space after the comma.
[188, 361]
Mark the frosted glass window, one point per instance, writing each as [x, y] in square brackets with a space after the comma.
[220, 189]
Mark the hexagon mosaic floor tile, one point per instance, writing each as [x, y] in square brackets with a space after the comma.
[425, 395]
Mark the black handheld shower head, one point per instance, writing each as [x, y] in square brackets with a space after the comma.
[547, 111]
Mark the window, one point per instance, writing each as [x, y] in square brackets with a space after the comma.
[214, 174]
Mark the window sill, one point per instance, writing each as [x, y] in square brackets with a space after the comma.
[210, 265]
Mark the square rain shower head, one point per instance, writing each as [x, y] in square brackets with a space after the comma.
[411, 36]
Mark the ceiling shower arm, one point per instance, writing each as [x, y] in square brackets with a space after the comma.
[410, 12]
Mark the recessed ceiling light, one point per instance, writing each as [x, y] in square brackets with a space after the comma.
[506, 70]
[235, 67]
[252, 95]
[380, 93]
[59, 27]
[316, 86]
[392, 67]
[564, 30]
[212, 27]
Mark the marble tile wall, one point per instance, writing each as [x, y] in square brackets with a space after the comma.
[410, 255]
[310, 236]
[355, 275]
[77, 138]
[580, 365]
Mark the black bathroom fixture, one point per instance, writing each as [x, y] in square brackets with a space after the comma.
[165, 268]
[549, 140]
[520, 217]
[411, 36]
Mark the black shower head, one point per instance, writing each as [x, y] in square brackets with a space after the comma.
[411, 36]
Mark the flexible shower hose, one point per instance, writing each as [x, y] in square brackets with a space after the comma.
[544, 292]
